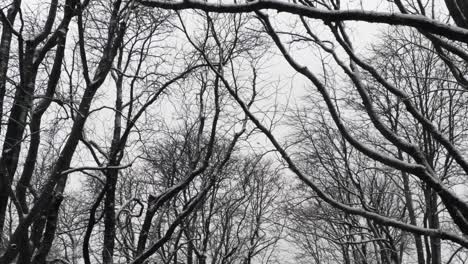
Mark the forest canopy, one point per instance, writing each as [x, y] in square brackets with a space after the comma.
[257, 131]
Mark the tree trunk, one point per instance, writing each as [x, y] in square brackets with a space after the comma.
[412, 215]
[433, 221]
[141, 245]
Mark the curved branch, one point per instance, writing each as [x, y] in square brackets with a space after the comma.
[416, 21]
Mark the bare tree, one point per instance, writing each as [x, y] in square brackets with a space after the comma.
[80, 87]
[399, 152]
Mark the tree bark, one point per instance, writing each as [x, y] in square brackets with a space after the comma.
[412, 215]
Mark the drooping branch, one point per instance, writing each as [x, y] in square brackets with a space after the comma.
[377, 218]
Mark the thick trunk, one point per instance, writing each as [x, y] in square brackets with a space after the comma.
[109, 218]
[202, 259]
[51, 226]
[22, 101]
[5, 44]
[346, 257]
[35, 125]
[63, 162]
[433, 219]
[14, 133]
[412, 218]
[189, 252]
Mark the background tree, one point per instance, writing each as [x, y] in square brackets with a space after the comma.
[398, 152]
[90, 89]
